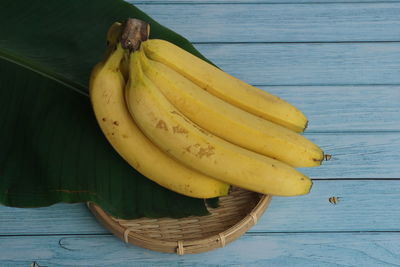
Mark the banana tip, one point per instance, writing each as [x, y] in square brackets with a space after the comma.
[311, 185]
[305, 126]
[326, 157]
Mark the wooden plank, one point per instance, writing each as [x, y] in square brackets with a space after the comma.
[201, 2]
[358, 155]
[309, 64]
[318, 249]
[364, 205]
[342, 22]
[345, 108]
[300, 231]
[56, 219]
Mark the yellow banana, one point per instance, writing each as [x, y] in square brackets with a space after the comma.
[229, 122]
[225, 86]
[108, 101]
[175, 134]
[113, 36]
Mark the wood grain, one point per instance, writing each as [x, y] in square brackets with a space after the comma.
[300, 249]
[357, 155]
[309, 64]
[341, 22]
[363, 205]
[57, 219]
[345, 108]
[257, 2]
[339, 62]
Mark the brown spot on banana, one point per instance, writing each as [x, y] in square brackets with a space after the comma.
[193, 124]
[152, 117]
[178, 129]
[199, 151]
[107, 96]
[162, 125]
[205, 151]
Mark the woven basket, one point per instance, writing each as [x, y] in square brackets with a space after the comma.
[237, 213]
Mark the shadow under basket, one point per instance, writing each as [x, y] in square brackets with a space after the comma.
[236, 214]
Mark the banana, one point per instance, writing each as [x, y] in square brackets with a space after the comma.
[108, 101]
[229, 122]
[225, 86]
[113, 34]
[176, 135]
[112, 37]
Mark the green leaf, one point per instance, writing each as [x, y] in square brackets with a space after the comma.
[51, 148]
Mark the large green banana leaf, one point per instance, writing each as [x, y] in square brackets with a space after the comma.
[51, 148]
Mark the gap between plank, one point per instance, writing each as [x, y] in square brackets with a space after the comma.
[297, 42]
[249, 233]
[256, 3]
[355, 179]
[371, 131]
[262, 233]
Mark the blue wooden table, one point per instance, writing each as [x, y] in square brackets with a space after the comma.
[339, 62]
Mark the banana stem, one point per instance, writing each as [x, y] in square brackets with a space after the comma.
[134, 31]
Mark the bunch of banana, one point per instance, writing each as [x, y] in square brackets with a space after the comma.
[193, 128]
[107, 94]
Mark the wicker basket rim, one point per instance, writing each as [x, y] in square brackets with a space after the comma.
[222, 238]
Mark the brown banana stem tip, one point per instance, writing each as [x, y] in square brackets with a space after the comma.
[305, 127]
[134, 31]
